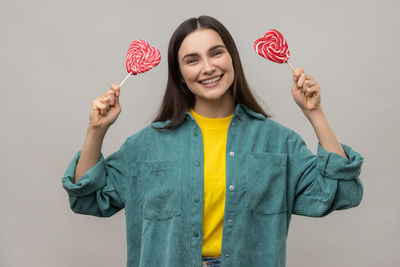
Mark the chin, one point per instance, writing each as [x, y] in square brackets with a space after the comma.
[212, 97]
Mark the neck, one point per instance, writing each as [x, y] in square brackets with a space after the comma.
[220, 108]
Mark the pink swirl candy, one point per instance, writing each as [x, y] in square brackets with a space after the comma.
[141, 57]
[273, 46]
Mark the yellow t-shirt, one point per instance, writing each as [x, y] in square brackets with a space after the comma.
[214, 132]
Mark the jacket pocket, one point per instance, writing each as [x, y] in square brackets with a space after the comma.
[162, 189]
[266, 182]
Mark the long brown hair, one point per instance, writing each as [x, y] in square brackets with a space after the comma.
[178, 99]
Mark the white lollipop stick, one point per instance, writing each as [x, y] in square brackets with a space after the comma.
[290, 65]
[126, 78]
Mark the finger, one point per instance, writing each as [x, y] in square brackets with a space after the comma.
[116, 98]
[297, 73]
[308, 77]
[110, 96]
[104, 109]
[309, 83]
[105, 99]
[301, 80]
[312, 90]
[100, 106]
[308, 92]
[294, 89]
[115, 88]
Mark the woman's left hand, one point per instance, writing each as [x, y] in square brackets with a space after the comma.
[306, 91]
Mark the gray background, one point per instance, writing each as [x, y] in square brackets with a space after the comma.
[56, 57]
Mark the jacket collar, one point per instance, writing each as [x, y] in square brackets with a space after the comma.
[240, 108]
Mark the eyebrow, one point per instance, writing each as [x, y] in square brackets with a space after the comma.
[211, 49]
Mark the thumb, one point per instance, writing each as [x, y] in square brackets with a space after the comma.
[297, 73]
[116, 98]
[294, 87]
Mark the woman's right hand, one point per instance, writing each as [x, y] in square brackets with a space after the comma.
[105, 109]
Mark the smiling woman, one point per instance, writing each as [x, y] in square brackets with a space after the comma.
[204, 73]
[213, 180]
[207, 70]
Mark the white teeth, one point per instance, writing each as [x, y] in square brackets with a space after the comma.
[211, 80]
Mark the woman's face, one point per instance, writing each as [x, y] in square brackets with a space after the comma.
[206, 65]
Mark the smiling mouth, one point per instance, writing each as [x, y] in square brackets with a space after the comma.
[212, 80]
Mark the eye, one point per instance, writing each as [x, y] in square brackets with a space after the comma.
[190, 61]
[218, 52]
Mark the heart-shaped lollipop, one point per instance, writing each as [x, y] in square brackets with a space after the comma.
[141, 58]
[273, 47]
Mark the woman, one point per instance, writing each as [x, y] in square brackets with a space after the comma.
[212, 180]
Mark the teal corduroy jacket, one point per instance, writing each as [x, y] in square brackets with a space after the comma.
[157, 178]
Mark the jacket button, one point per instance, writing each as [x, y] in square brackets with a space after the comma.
[227, 255]
[197, 163]
[229, 221]
[196, 199]
[231, 187]
[233, 124]
[196, 234]
[231, 153]
[196, 134]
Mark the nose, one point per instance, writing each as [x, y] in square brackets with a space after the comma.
[208, 67]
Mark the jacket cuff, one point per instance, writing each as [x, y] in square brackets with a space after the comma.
[93, 180]
[334, 166]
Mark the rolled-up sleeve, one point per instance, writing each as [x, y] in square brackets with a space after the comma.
[324, 182]
[334, 166]
[100, 191]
